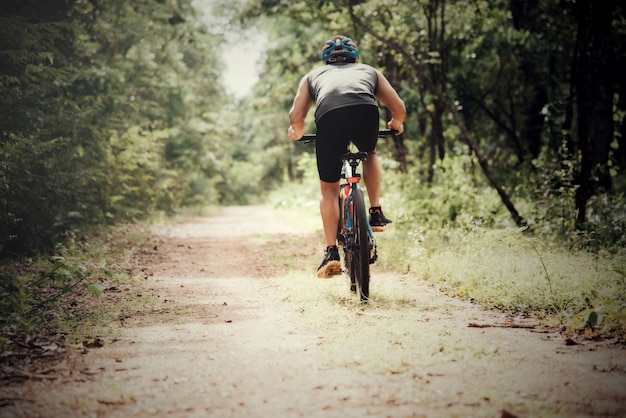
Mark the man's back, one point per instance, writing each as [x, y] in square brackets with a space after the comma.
[340, 85]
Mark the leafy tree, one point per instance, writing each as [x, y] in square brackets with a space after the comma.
[595, 81]
[111, 110]
[45, 156]
[506, 78]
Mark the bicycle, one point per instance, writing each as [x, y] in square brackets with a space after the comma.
[354, 232]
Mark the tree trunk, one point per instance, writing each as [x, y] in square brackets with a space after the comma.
[524, 13]
[436, 143]
[400, 150]
[594, 100]
[436, 26]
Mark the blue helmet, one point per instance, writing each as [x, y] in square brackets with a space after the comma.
[339, 49]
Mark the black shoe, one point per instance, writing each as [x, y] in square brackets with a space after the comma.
[378, 220]
[330, 265]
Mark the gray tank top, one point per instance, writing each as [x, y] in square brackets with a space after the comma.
[339, 85]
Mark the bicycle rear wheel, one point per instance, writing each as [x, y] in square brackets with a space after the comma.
[360, 258]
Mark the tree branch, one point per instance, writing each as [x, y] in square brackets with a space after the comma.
[419, 72]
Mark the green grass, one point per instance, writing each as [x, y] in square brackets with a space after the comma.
[510, 271]
[63, 298]
[506, 269]
[328, 308]
[409, 328]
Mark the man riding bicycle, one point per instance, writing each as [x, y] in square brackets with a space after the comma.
[344, 93]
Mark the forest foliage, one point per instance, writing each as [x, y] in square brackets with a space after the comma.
[521, 98]
[110, 111]
[116, 110]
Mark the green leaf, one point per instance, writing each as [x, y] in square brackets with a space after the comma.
[594, 319]
[95, 290]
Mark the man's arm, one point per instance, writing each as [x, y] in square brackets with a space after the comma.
[386, 94]
[301, 105]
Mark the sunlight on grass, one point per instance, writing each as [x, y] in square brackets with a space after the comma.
[401, 328]
[393, 333]
[508, 270]
[500, 268]
[303, 220]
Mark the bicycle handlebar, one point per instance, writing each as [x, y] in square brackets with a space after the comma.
[307, 138]
[386, 132]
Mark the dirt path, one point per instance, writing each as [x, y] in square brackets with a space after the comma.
[231, 342]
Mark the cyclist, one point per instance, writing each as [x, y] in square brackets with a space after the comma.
[344, 93]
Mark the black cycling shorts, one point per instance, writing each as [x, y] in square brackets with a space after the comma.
[336, 129]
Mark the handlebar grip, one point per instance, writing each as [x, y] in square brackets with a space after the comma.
[386, 132]
[307, 138]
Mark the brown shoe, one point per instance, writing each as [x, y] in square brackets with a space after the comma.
[331, 265]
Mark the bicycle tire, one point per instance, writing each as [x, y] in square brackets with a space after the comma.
[344, 240]
[361, 250]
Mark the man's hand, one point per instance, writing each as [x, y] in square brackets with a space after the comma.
[293, 135]
[396, 126]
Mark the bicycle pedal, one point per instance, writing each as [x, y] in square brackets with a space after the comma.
[378, 228]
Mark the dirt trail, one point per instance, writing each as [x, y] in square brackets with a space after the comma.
[230, 345]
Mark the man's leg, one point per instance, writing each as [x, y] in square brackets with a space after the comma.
[329, 209]
[371, 177]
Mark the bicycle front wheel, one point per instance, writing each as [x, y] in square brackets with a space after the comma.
[361, 250]
[345, 240]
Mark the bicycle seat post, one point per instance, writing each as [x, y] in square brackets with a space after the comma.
[355, 164]
[353, 160]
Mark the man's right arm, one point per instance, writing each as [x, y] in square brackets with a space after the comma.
[386, 94]
[301, 105]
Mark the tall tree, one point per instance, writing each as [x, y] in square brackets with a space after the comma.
[526, 17]
[435, 12]
[594, 81]
[434, 89]
[107, 108]
[508, 64]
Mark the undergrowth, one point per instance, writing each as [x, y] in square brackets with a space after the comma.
[508, 270]
[57, 298]
[458, 236]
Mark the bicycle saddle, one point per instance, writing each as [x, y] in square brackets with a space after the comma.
[354, 156]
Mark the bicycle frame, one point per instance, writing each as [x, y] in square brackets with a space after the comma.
[347, 190]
